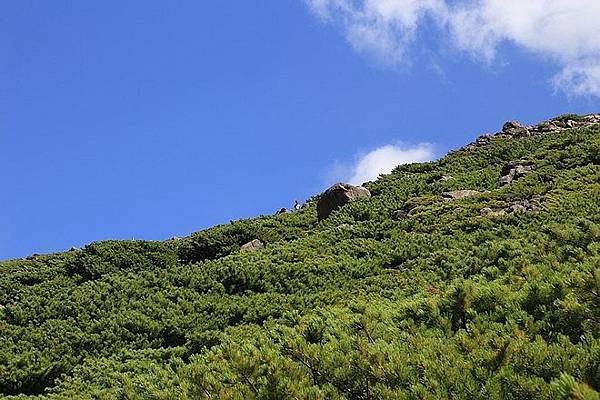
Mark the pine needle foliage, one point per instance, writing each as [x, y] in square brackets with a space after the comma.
[445, 302]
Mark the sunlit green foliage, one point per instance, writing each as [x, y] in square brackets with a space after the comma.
[441, 303]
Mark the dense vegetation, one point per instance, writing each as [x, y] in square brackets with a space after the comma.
[442, 303]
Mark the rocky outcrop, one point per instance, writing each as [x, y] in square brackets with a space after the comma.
[338, 195]
[252, 245]
[565, 122]
[521, 206]
[514, 170]
[515, 129]
[480, 141]
[460, 194]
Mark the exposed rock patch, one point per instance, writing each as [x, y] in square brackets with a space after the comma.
[480, 141]
[514, 170]
[338, 195]
[521, 206]
[460, 194]
[515, 129]
[253, 245]
[491, 212]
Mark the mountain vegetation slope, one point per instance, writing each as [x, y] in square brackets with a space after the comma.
[414, 293]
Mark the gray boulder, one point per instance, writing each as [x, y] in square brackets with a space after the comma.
[252, 245]
[338, 195]
[515, 129]
[514, 170]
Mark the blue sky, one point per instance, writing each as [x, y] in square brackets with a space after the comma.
[148, 119]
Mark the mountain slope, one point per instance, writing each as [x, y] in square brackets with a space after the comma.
[408, 294]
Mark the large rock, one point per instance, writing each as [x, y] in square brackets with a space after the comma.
[338, 195]
[514, 170]
[515, 129]
[253, 245]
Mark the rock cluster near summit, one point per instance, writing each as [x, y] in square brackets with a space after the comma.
[515, 129]
[341, 193]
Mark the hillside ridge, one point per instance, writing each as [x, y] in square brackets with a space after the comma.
[473, 276]
[511, 129]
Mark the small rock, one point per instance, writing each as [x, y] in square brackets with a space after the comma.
[282, 211]
[404, 213]
[491, 212]
[338, 195]
[459, 194]
[517, 208]
[514, 170]
[445, 178]
[252, 245]
[485, 211]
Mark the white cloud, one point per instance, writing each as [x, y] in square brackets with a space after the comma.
[382, 160]
[565, 32]
[381, 29]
